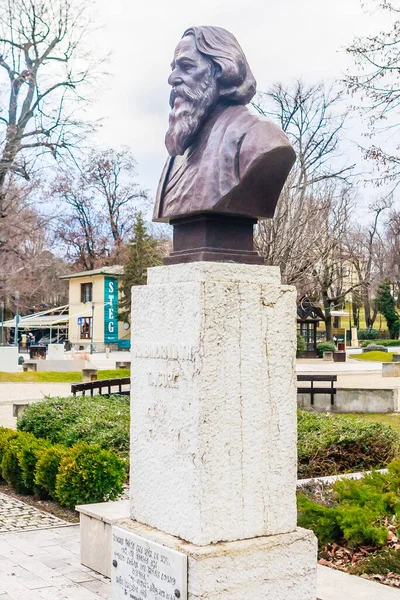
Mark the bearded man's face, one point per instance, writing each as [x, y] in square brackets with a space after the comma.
[194, 94]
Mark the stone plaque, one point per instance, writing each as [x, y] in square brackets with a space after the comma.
[145, 570]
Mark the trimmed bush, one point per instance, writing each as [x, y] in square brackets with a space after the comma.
[99, 420]
[29, 450]
[301, 345]
[10, 467]
[373, 347]
[47, 467]
[89, 474]
[5, 436]
[386, 343]
[367, 334]
[332, 444]
[19, 461]
[325, 347]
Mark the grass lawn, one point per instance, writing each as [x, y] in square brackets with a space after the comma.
[376, 355]
[55, 377]
[392, 419]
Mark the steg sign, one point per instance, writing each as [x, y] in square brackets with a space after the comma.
[145, 570]
[110, 310]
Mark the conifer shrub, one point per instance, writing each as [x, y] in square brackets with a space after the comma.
[359, 511]
[332, 444]
[99, 420]
[89, 474]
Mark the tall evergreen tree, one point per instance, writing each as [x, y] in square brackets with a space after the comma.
[144, 253]
[386, 305]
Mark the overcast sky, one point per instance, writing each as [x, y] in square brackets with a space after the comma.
[283, 40]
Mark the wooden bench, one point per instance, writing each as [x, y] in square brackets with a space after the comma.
[317, 390]
[104, 384]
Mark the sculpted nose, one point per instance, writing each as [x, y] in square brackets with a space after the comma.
[174, 78]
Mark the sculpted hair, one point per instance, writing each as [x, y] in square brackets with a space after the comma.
[237, 83]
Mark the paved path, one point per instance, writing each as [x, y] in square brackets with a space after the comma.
[39, 560]
[45, 565]
[335, 584]
[18, 516]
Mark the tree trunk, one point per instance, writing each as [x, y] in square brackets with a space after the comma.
[328, 317]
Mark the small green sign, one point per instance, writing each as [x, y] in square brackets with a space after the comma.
[110, 310]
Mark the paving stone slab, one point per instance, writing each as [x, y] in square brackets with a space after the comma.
[18, 516]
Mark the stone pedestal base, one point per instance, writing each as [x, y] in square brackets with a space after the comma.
[278, 567]
[213, 412]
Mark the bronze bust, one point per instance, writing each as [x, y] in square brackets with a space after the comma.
[225, 162]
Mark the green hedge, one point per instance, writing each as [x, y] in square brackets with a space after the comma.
[82, 474]
[325, 347]
[331, 444]
[97, 420]
[326, 444]
[386, 343]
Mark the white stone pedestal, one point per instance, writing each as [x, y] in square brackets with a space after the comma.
[277, 567]
[213, 438]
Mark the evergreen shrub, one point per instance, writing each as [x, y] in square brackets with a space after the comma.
[373, 347]
[359, 512]
[386, 343]
[99, 420]
[325, 347]
[5, 436]
[332, 444]
[301, 345]
[89, 474]
[47, 467]
[367, 334]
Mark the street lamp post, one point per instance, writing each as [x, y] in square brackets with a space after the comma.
[2, 322]
[16, 295]
[91, 330]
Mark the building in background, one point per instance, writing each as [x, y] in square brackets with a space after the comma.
[93, 310]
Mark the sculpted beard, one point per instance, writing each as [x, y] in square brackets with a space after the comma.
[190, 106]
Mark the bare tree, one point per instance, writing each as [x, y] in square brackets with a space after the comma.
[310, 117]
[377, 58]
[80, 227]
[390, 261]
[111, 176]
[45, 70]
[26, 262]
[98, 203]
[364, 245]
[329, 281]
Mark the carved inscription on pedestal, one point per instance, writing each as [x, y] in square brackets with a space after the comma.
[171, 354]
[144, 570]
